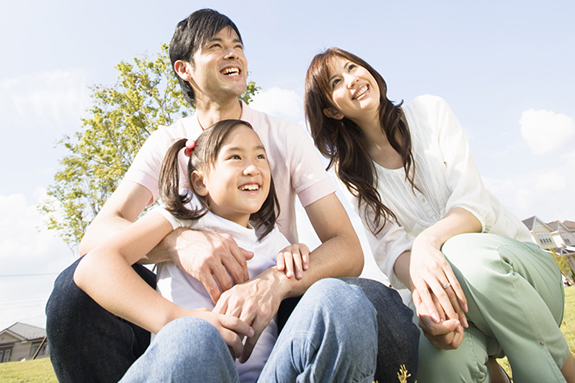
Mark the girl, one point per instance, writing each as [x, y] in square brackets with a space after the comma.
[419, 195]
[229, 174]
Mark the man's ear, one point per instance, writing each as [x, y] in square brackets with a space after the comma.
[198, 183]
[183, 69]
[333, 113]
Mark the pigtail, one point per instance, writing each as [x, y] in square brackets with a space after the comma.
[169, 185]
[264, 219]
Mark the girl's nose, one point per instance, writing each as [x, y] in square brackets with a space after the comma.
[251, 170]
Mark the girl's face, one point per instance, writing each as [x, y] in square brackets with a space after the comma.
[354, 91]
[238, 183]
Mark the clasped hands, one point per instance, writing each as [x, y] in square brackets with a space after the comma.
[243, 307]
[437, 296]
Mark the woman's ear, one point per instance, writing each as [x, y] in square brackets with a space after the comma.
[183, 69]
[333, 113]
[198, 183]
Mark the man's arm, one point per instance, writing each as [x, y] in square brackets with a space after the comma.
[340, 255]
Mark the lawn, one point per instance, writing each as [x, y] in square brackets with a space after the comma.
[40, 371]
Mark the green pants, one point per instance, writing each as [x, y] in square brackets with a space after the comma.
[515, 295]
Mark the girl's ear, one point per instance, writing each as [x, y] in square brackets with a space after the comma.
[333, 113]
[198, 183]
[183, 69]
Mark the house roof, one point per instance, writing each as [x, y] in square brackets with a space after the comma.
[553, 225]
[569, 224]
[529, 222]
[25, 331]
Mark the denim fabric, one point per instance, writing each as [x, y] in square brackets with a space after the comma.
[398, 336]
[89, 344]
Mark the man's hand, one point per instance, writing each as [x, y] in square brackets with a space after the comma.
[213, 259]
[255, 302]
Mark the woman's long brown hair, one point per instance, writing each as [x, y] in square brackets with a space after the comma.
[204, 156]
[344, 143]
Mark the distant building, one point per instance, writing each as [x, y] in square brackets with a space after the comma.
[22, 342]
[556, 237]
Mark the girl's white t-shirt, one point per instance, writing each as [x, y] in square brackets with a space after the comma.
[186, 291]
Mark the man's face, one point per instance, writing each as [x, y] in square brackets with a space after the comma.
[219, 68]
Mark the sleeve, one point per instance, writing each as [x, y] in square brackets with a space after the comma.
[175, 222]
[309, 178]
[463, 178]
[145, 168]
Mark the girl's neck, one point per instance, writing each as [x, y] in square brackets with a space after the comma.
[210, 112]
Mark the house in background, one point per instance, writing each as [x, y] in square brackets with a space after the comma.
[22, 342]
[556, 237]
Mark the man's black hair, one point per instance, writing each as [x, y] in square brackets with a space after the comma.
[193, 32]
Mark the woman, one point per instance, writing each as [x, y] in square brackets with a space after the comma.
[479, 288]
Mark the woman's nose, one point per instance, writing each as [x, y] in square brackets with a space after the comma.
[351, 81]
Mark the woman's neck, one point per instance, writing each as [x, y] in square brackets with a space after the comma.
[378, 146]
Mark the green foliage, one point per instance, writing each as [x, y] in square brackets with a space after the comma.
[146, 95]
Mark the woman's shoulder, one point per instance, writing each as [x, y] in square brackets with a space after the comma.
[426, 101]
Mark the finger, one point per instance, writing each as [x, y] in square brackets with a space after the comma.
[280, 262]
[304, 251]
[439, 308]
[251, 341]
[458, 290]
[222, 277]
[440, 289]
[234, 260]
[427, 303]
[457, 306]
[298, 267]
[237, 325]
[211, 286]
[289, 263]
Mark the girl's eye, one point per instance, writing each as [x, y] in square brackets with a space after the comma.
[334, 83]
[235, 157]
[261, 157]
[351, 66]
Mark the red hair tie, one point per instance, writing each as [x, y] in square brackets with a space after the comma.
[190, 146]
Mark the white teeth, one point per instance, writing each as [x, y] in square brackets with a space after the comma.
[250, 187]
[231, 71]
[360, 91]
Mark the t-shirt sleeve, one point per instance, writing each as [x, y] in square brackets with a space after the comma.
[309, 178]
[175, 222]
[463, 178]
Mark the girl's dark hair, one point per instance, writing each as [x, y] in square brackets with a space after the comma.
[344, 143]
[204, 156]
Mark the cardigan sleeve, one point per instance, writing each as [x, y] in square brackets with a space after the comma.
[463, 179]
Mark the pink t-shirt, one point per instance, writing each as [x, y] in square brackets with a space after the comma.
[295, 164]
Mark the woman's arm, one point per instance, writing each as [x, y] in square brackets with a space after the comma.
[426, 271]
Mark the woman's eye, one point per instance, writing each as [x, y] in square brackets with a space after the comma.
[351, 66]
[334, 83]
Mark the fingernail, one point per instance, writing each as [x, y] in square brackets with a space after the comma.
[435, 317]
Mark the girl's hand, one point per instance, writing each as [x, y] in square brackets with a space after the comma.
[294, 259]
[440, 295]
[232, 329]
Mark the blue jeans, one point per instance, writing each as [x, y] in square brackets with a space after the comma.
[88, 344]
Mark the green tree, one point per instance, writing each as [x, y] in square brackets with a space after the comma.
[146, 95]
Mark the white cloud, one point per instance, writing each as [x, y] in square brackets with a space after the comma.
[281, 103]
[43, 100]
[26, 250]
[546, 131]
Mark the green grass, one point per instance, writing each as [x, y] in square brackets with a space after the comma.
[40, 371]
[32, 371]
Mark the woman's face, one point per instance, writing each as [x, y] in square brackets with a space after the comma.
[354, 91]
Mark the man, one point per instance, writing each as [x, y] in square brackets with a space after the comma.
[207, 55]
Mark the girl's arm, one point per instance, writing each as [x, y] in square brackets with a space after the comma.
[105, 274]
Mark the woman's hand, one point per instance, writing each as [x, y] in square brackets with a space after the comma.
[294, 259]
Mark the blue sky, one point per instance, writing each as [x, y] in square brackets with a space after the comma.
[506, 68]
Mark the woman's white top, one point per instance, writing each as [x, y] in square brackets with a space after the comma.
[186, 291]
[447, 178]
